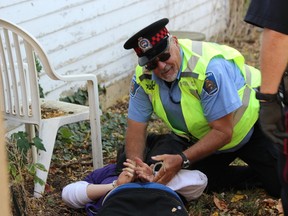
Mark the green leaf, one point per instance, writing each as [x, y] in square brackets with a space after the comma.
[40, 167]
[23, 145]
[38, 143]
[38, 180]
[19, 135]
[12, 170]
[18, 178]
[67, 157]
[31, 169]
[80, 99]
[71, 99]
[65, 132]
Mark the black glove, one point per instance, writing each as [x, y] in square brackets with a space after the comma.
[271, 118]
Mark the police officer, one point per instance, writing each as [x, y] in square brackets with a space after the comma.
[272, 16]
[204, 92]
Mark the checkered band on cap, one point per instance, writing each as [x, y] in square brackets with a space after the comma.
[154, 40]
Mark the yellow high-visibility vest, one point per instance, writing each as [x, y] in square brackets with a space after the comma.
[197, 56]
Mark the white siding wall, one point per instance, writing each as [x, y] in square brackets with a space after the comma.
[87, 36]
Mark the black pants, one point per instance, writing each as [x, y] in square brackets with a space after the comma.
[259, 153]
[283, 161]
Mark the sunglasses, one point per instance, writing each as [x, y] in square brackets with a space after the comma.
[154, 63]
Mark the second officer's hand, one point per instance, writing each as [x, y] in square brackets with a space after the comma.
[171, 165]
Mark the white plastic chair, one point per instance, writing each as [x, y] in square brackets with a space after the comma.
[20, 101]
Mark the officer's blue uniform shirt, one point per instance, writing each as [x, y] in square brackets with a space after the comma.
[219, 96]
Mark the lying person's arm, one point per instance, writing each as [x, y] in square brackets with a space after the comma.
[78, 194]
[95, 191]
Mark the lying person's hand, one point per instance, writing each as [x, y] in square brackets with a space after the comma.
[128, 173]
[144, 172]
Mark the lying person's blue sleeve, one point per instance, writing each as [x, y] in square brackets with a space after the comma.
[219, 96]
[104, 175]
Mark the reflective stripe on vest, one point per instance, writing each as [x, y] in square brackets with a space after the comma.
[197, 48]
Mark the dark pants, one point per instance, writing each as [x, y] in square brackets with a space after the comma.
[259, 153]
[283, 169]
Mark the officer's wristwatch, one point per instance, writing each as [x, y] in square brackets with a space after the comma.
[185, 161]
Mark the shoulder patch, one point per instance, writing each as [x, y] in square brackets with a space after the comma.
[133, 88]
[210, 84]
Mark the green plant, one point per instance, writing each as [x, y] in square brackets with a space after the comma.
[79, 97]
[113, 129]
[73, 140]
[22, 170]
[18, 154]
[102, 89]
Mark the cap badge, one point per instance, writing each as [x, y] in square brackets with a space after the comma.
[144, 44]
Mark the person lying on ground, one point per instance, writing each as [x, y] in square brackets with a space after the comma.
[90, 192]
